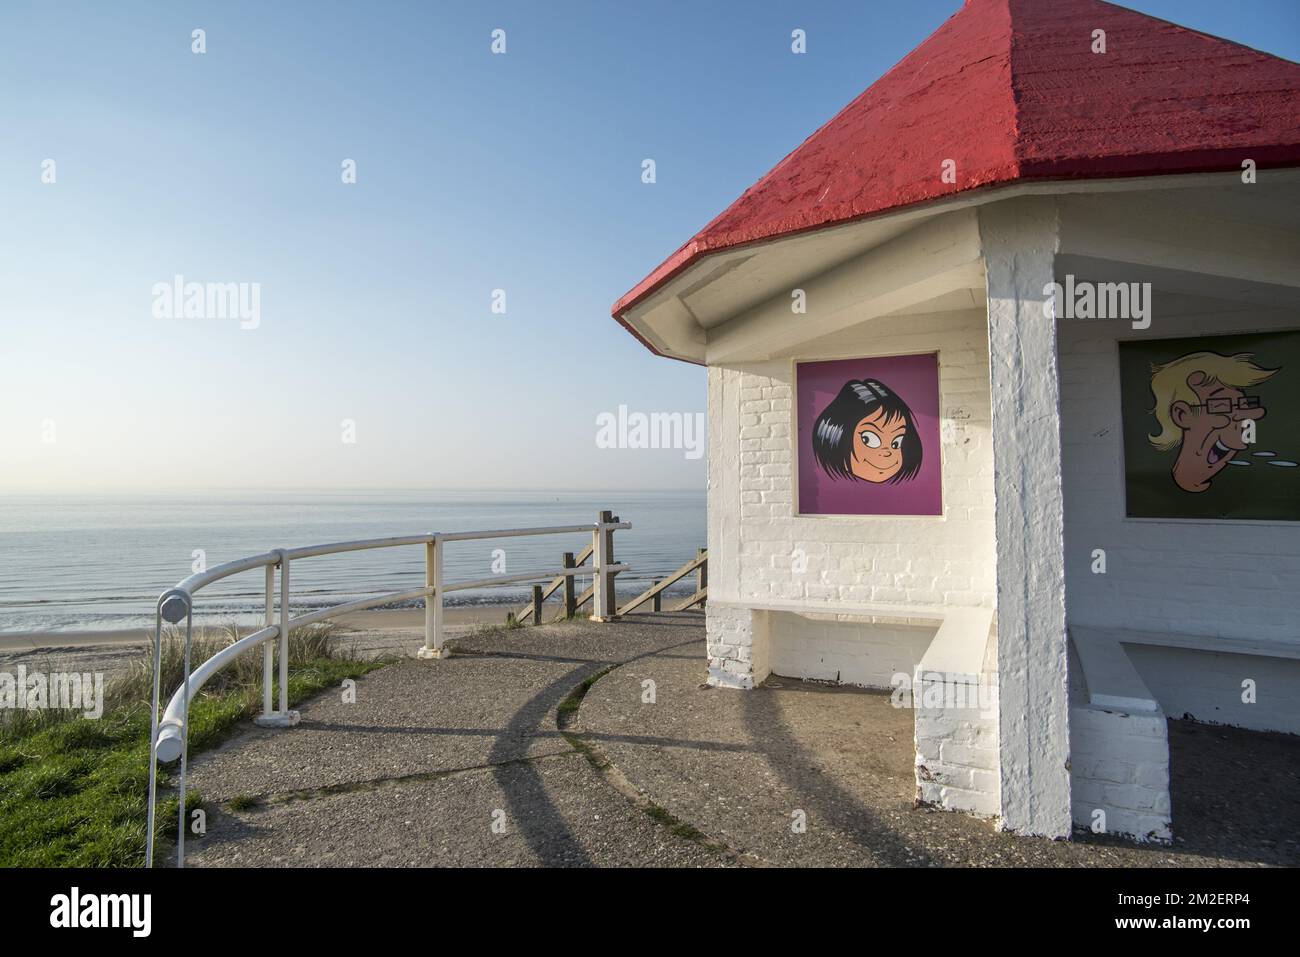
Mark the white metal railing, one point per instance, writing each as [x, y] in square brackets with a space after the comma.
[170, 734]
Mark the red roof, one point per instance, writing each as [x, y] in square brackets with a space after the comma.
[1011, 90]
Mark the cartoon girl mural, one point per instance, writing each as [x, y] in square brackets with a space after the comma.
[868, 434]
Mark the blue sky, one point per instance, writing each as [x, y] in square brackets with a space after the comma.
[474, 172]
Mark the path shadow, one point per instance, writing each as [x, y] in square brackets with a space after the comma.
[531, 811]
[825, 798]
[1234, 792]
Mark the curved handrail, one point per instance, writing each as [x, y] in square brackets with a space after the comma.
[217, 572]
[333, 548]
[169, 733]
[171, 727]
[168, 738]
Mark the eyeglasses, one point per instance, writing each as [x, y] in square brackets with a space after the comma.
[1228, 406]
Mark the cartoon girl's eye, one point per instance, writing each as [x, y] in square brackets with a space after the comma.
[898, 442]
[870, 439]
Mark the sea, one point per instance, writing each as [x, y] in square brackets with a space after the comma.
[92, 563]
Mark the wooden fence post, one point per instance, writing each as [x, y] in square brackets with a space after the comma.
[701, 573]
[570, 600]
[611, 593]
[537, 604]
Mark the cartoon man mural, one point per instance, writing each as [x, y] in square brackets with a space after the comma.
[1202, 410]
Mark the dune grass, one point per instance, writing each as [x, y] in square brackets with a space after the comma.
[74, 791]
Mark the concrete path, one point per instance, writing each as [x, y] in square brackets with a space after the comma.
[654, 769]
[453, 762]
[745, 767]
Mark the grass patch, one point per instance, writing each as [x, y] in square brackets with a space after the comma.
[512, 622]
[243, 802]
[74, 792]
[568, 708]
[566, 712]
[676, 824]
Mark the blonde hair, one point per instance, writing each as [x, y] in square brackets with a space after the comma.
[1169, 383]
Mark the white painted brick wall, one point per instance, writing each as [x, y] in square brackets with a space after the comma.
[736, 643]
[866, 654]
[1208, 687]
[1231, 579]
[957, 747]
[1119, 763]
[760, 549]
[757, 544]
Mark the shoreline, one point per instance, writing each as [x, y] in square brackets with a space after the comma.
[370, 620]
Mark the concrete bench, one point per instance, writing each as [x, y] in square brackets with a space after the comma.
[1232, 646]
[951, 665]
[1189, 674]
[1106, 656]
[960, 643]
[1119, 744]
[1119, 735]
[1111, 678]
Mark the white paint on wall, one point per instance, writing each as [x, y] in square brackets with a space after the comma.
[957, 757]
[1120, 766]
[1021, 541]
[736, 642]
[1210, 687]
[1020, 241]
[865, 654]
[762, 549]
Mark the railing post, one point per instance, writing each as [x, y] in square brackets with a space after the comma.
[701, 573]
[433, 640]
[284, 636]
[570, 597]
[268, 652]
[658, 597]
[599, 559]
[537, 604]
[185, 736]
[153, 738]
[173, 605]
[282, 717]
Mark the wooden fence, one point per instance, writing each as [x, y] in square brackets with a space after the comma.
[571, 601]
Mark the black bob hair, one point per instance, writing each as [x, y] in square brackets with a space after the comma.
[832, 438]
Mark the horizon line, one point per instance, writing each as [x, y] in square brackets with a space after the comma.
[146, 490]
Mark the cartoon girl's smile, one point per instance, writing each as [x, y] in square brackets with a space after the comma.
[877, 447]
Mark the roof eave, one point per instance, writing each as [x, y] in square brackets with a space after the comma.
[1199, 170]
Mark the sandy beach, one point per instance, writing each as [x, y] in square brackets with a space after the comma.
[378, 631]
